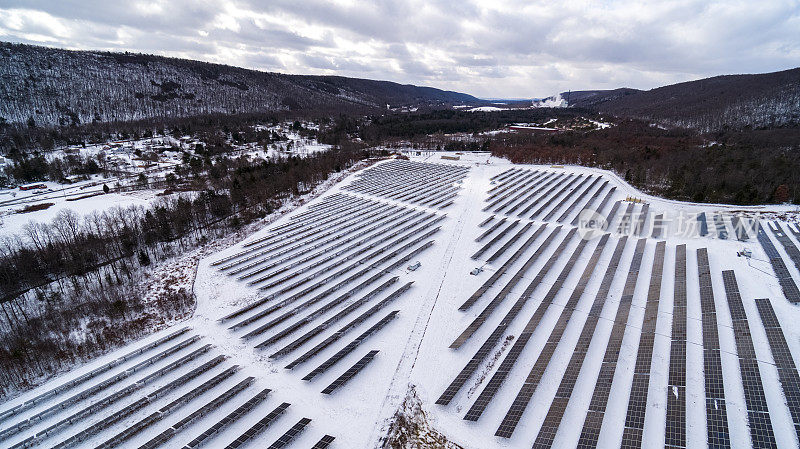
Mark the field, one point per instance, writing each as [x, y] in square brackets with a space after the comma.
[463, 303]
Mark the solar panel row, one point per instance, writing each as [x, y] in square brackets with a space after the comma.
[658, 226]
[509, 243]
[532, 192]
[98, 405]
[205, 409]
[641, 221]
[28, 404]
[290, 434]
[320, 311]
[761, 432]
[543, 192]
[675, 433]
[494, 240]
[258, 427]
[597, 407]
[637, 401]
[491, 229]
[787, 369]
[598, 209]
[339, 316]
[716, 412]
[165, 411]
[555, 413]
[532, 381]
[232, 417]
[351, 346]
[502, 270]
[789, 287]
[703, 223]
[501, 296]
[722, 231]
[95, 389]
[483, 352]
[569, 182]
[350, 373]
[391, 218]
[559, 203]
[115, 417]
[625, 221]
[582, 195]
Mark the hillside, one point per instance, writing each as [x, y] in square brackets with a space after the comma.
[62, 87]
[736, 101]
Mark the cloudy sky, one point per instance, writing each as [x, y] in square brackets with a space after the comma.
[501, 49]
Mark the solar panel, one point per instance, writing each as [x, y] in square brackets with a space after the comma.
[553, 183]
[658, 226]
[638, 228]
[351, 346]
[532, 381]
[597, 406]
[676, 380]
[570, 181]
[637, 401]
[558, 205]
[350, 373]
[612, 213]
[625, 221]
[701, 220]
[94, 389]
[582, 195]
[739, 228]
[208, 407]
[494, 240]
[102, 369]
[492, 340]
[324, 442]
[761, 432]
[501, 271]
[492, 229]
[722, 231]
[509, 243]
[257, 428]
[102, 403]
[599, 207]
[532, 192]
[787, 369]
[785, 280]
[233, 417]
[119, 415]
[339, 316]
[716, 415]
[485, 222]
[501, 296]
[290, 434]
[557, 408]
[164, 411]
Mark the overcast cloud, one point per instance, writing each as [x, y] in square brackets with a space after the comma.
[508, 49]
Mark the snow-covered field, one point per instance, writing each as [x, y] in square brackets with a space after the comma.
[331, 275]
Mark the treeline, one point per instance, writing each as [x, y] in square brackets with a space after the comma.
[742, 167]
[81, 273]
[380, 128]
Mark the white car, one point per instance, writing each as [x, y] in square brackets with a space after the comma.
[414, 266]
[476, 271]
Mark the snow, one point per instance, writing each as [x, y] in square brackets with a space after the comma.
[414, 352]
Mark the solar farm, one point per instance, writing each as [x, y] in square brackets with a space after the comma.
[519, 305]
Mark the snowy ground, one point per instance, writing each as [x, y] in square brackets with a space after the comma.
[413, 347]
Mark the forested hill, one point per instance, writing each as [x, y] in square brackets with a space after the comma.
[63, 87]
[766, 100]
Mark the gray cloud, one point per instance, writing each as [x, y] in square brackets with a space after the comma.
[492, 49]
